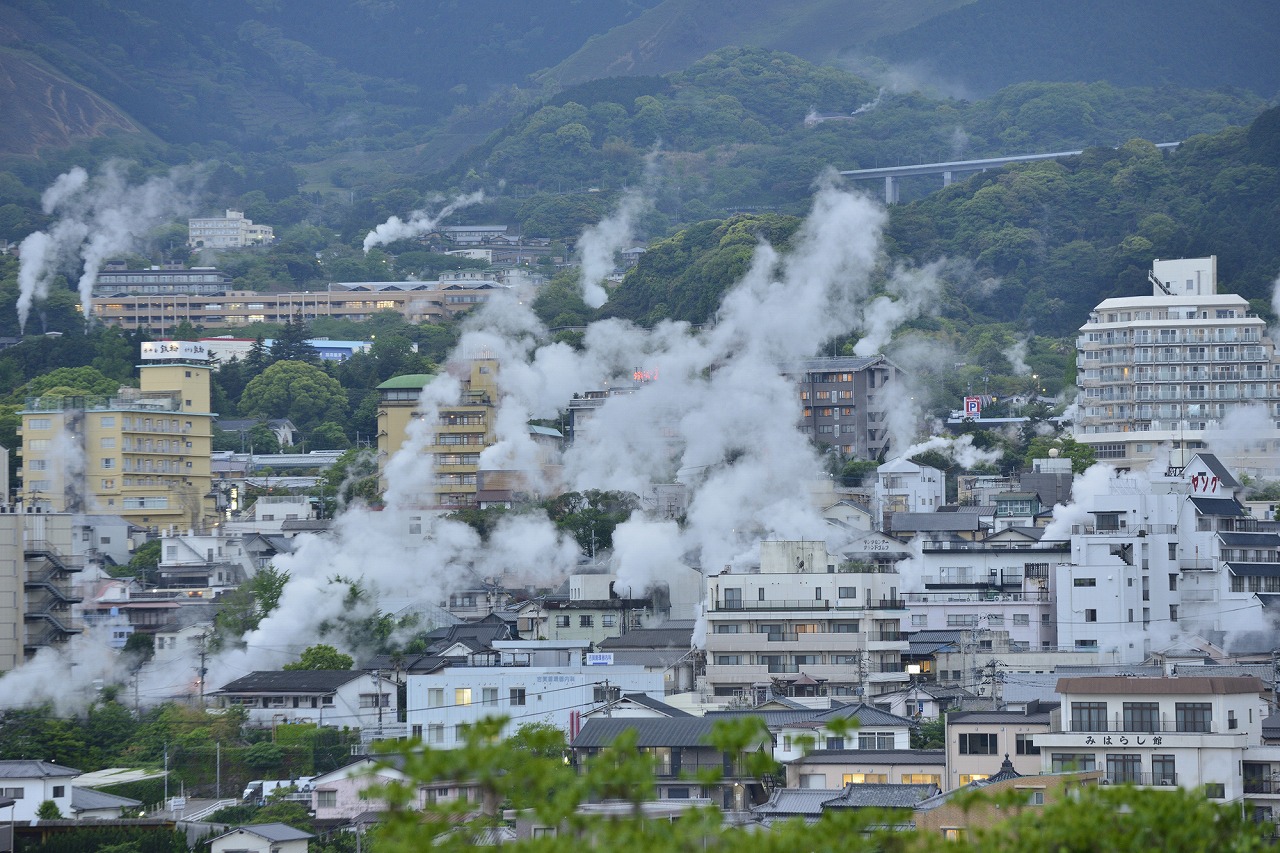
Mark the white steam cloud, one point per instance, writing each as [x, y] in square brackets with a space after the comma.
[1016, 353]
[419, 222]
[96, 218]
[600, 242]
[712, 410]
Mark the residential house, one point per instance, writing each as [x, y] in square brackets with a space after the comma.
[845, 401]
[30, 783]
[893, 803]
[88, 804]
[798, 730]
[261, 838]
[681, 748]
[232, 231]
[902, 486]
[527, 681]
[976, 741]
[328, 697]
[826, 768]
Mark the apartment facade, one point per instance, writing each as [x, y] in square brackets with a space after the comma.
[1170, 367]
[232, 231]
[461, 431]
[142, 454]
[1190, 732]
[844, 402]
[814, 622]
[38, 597]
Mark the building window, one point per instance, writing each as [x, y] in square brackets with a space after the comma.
[1071, 761]
[1163, 771]
[1023, 619]
[977, 743]
[1090, 615]
[586, 621]
[1124, 768]
[609, 620]
[865, 778]
[1088, 716]
[1084, 582]
[966, 778]
[489, 696]
[875, 740]
[1026, 745]
[1193, 716]
[517, 695]
[847, 592]
[835, 743]
[1035, 797]
[39, 423]
[919, 620]
[921, 779]
[562, 621]
[435, 733]
[326, 799]
[462, 696]
[59, 791]
[1215, 790]
[1142, 716]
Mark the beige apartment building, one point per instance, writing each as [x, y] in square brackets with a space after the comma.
[460, 433]
[36, 592]
[232, 231]
[143, 453]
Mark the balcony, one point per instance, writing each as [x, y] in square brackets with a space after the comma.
[772, 604]
[888, 604]
[1196, 565]
[1148, 780]
[1134, 728]
[1262, 786]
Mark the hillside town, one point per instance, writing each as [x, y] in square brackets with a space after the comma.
[931, 630]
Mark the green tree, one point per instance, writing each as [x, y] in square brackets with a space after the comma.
[296, 390]
[145, 562]
[241, 610]
[291, 344]
[48, 810]
[353, 477]
[1081, 455]
[67, 381]
[591, 516]
[321, 657]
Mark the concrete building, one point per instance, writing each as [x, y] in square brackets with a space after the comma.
[30, 783]
[38, 561]
[262, 838]
[845, 404]
[1166, 557]
[460, 432]
[116, 279]
[1169, 368]
[816, 622]
[1187, 731]
[327, 697]
[978, 742]
[142, 454]
[528, 681]
[232, 231]
[902, 486]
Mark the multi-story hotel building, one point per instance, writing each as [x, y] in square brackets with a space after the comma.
[232, 231]
[806, 620]
[143, 453]
[460, 433]
[1170, 367]
[844, 404]
[417, 302]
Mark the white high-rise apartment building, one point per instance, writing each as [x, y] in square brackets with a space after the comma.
[232, 231]
[1171, 367]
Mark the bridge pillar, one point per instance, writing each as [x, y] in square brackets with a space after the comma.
[946, 178]
[890, 190]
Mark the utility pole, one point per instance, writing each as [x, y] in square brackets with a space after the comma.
[203, 654]
[217, 785]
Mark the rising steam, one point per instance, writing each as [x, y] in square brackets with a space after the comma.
[419, 222]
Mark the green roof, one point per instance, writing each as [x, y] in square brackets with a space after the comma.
[408, 380]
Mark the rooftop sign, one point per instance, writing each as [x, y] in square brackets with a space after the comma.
[153, 350]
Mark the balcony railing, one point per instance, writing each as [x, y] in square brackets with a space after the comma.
[1153, 780]
[1262, 786]
[775, 604]
[888, 604]
[1130, 728]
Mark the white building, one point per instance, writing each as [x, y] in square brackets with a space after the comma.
[1170, 367]
[822, 623]
[527, 681]
[232, 231]
[327, 697]
[1163, 557]
[1189, 732]
[904, 486]
[30, 783]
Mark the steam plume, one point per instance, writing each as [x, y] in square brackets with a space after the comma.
[419, 222]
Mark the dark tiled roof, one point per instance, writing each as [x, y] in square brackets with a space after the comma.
[87, 799]
[875, 796]
[796, 801]
[292, 681]
[935, 521]
[672, 635]
[1265, 570]
[984, 718]
[647, 701]
[874, 756]
[22, 769]
[673, 732]
[271, 832]
[1218, 506]
[866, 716]
[1214, 464]
[1250, 540]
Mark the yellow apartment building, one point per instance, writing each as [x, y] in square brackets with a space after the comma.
[460, 433]
[143, 453]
